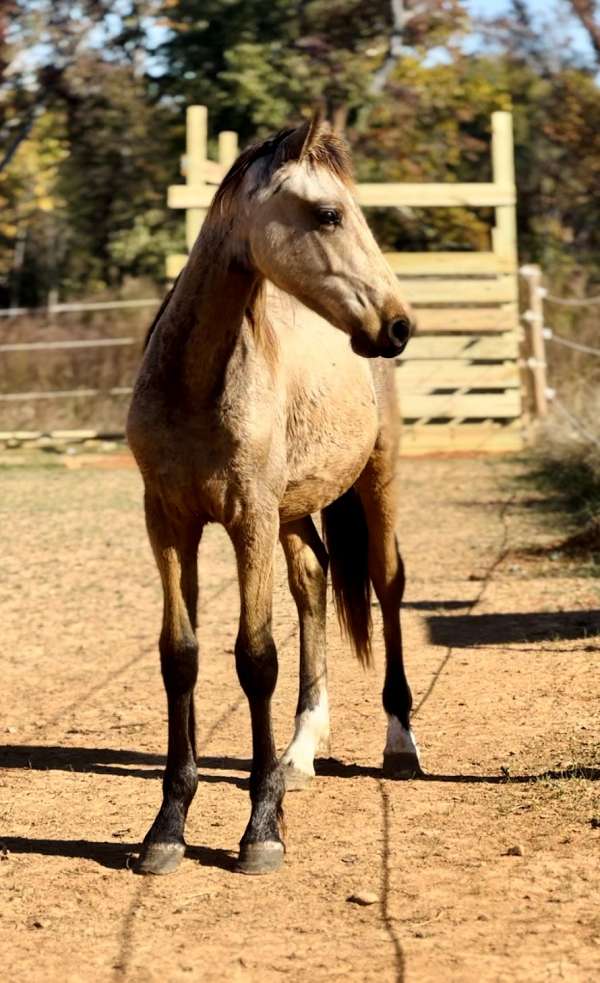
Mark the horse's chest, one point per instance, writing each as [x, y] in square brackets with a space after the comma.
[329, 441]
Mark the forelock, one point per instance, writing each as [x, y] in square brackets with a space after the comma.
[328, 151]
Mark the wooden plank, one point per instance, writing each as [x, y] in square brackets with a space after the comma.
[429, 291]
[190, 195]
[504, 235]
[174, 265]
[449, 195]
[470, 438]
[417, 406]
[425, 375]
[498, 347]
[196, 155]
[478, 319]
[228, 149]
[196, 195]
[210, 171]
[448, 264]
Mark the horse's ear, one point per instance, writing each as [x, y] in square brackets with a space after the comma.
[299, 142]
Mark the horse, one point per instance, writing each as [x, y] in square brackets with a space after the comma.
[251, 410]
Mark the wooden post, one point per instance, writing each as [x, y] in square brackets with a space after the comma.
[196, 154]
[535, 320]
[504, 236]
[228, 148]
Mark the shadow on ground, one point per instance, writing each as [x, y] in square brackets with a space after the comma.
[113, 761]
[115, 856]
[105, 761]
[472, 630]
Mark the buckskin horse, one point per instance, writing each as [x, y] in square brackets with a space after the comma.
[251, 410]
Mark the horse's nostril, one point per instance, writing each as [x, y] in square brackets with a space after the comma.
[399, 331]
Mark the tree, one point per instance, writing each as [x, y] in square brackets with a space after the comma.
[259, 63]
[586, 11]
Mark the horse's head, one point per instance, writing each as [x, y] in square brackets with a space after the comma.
[297, 223]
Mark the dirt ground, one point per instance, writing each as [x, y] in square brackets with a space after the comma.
[487, 870]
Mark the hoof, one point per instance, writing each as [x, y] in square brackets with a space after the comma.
[160, 858]
[260, 858]
[296, 780]
[402, 764]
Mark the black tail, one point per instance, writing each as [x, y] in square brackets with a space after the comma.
[347, 540]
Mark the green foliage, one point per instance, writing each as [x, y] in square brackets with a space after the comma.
[92, 124]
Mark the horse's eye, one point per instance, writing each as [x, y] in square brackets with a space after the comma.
[329, 216]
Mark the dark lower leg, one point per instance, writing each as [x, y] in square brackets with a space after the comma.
[307, 573]
[179, 667]
[386, 569]
[164, 843]
[261, 847]
[397, 697]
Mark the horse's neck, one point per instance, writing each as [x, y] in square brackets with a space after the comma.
[204, 317]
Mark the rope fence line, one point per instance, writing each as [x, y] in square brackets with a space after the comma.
[539, 334]
[66, 394]
[47, 346]
[570, 301]
[581, 430]
[101, 305]
[549, 335]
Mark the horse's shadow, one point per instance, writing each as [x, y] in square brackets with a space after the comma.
[113, 855]
[123, 762]
[120, 762]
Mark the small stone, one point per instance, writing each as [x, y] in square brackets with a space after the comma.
[363, 898]
[595, 822]
[515, 851]
[483, 917]
[349, 858]
[11, 730]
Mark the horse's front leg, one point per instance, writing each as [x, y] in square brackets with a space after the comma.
[254, 540]
[175, 545]
[307, 562]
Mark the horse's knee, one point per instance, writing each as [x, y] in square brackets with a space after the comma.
[179, 662]
[256, 664]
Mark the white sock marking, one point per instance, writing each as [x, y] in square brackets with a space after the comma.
[399, 739]
[312, 727]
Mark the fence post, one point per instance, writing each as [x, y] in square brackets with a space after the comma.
[228, 147]
[504, 235]
[196, 153]
[534, 316]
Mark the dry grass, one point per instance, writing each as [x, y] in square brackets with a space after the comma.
[67, 369]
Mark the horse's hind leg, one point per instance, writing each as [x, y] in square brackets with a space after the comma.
[307, 573]
[175, 545]
[386, 569]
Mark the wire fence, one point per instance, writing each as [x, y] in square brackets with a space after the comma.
[550, 335]
[540, 296]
